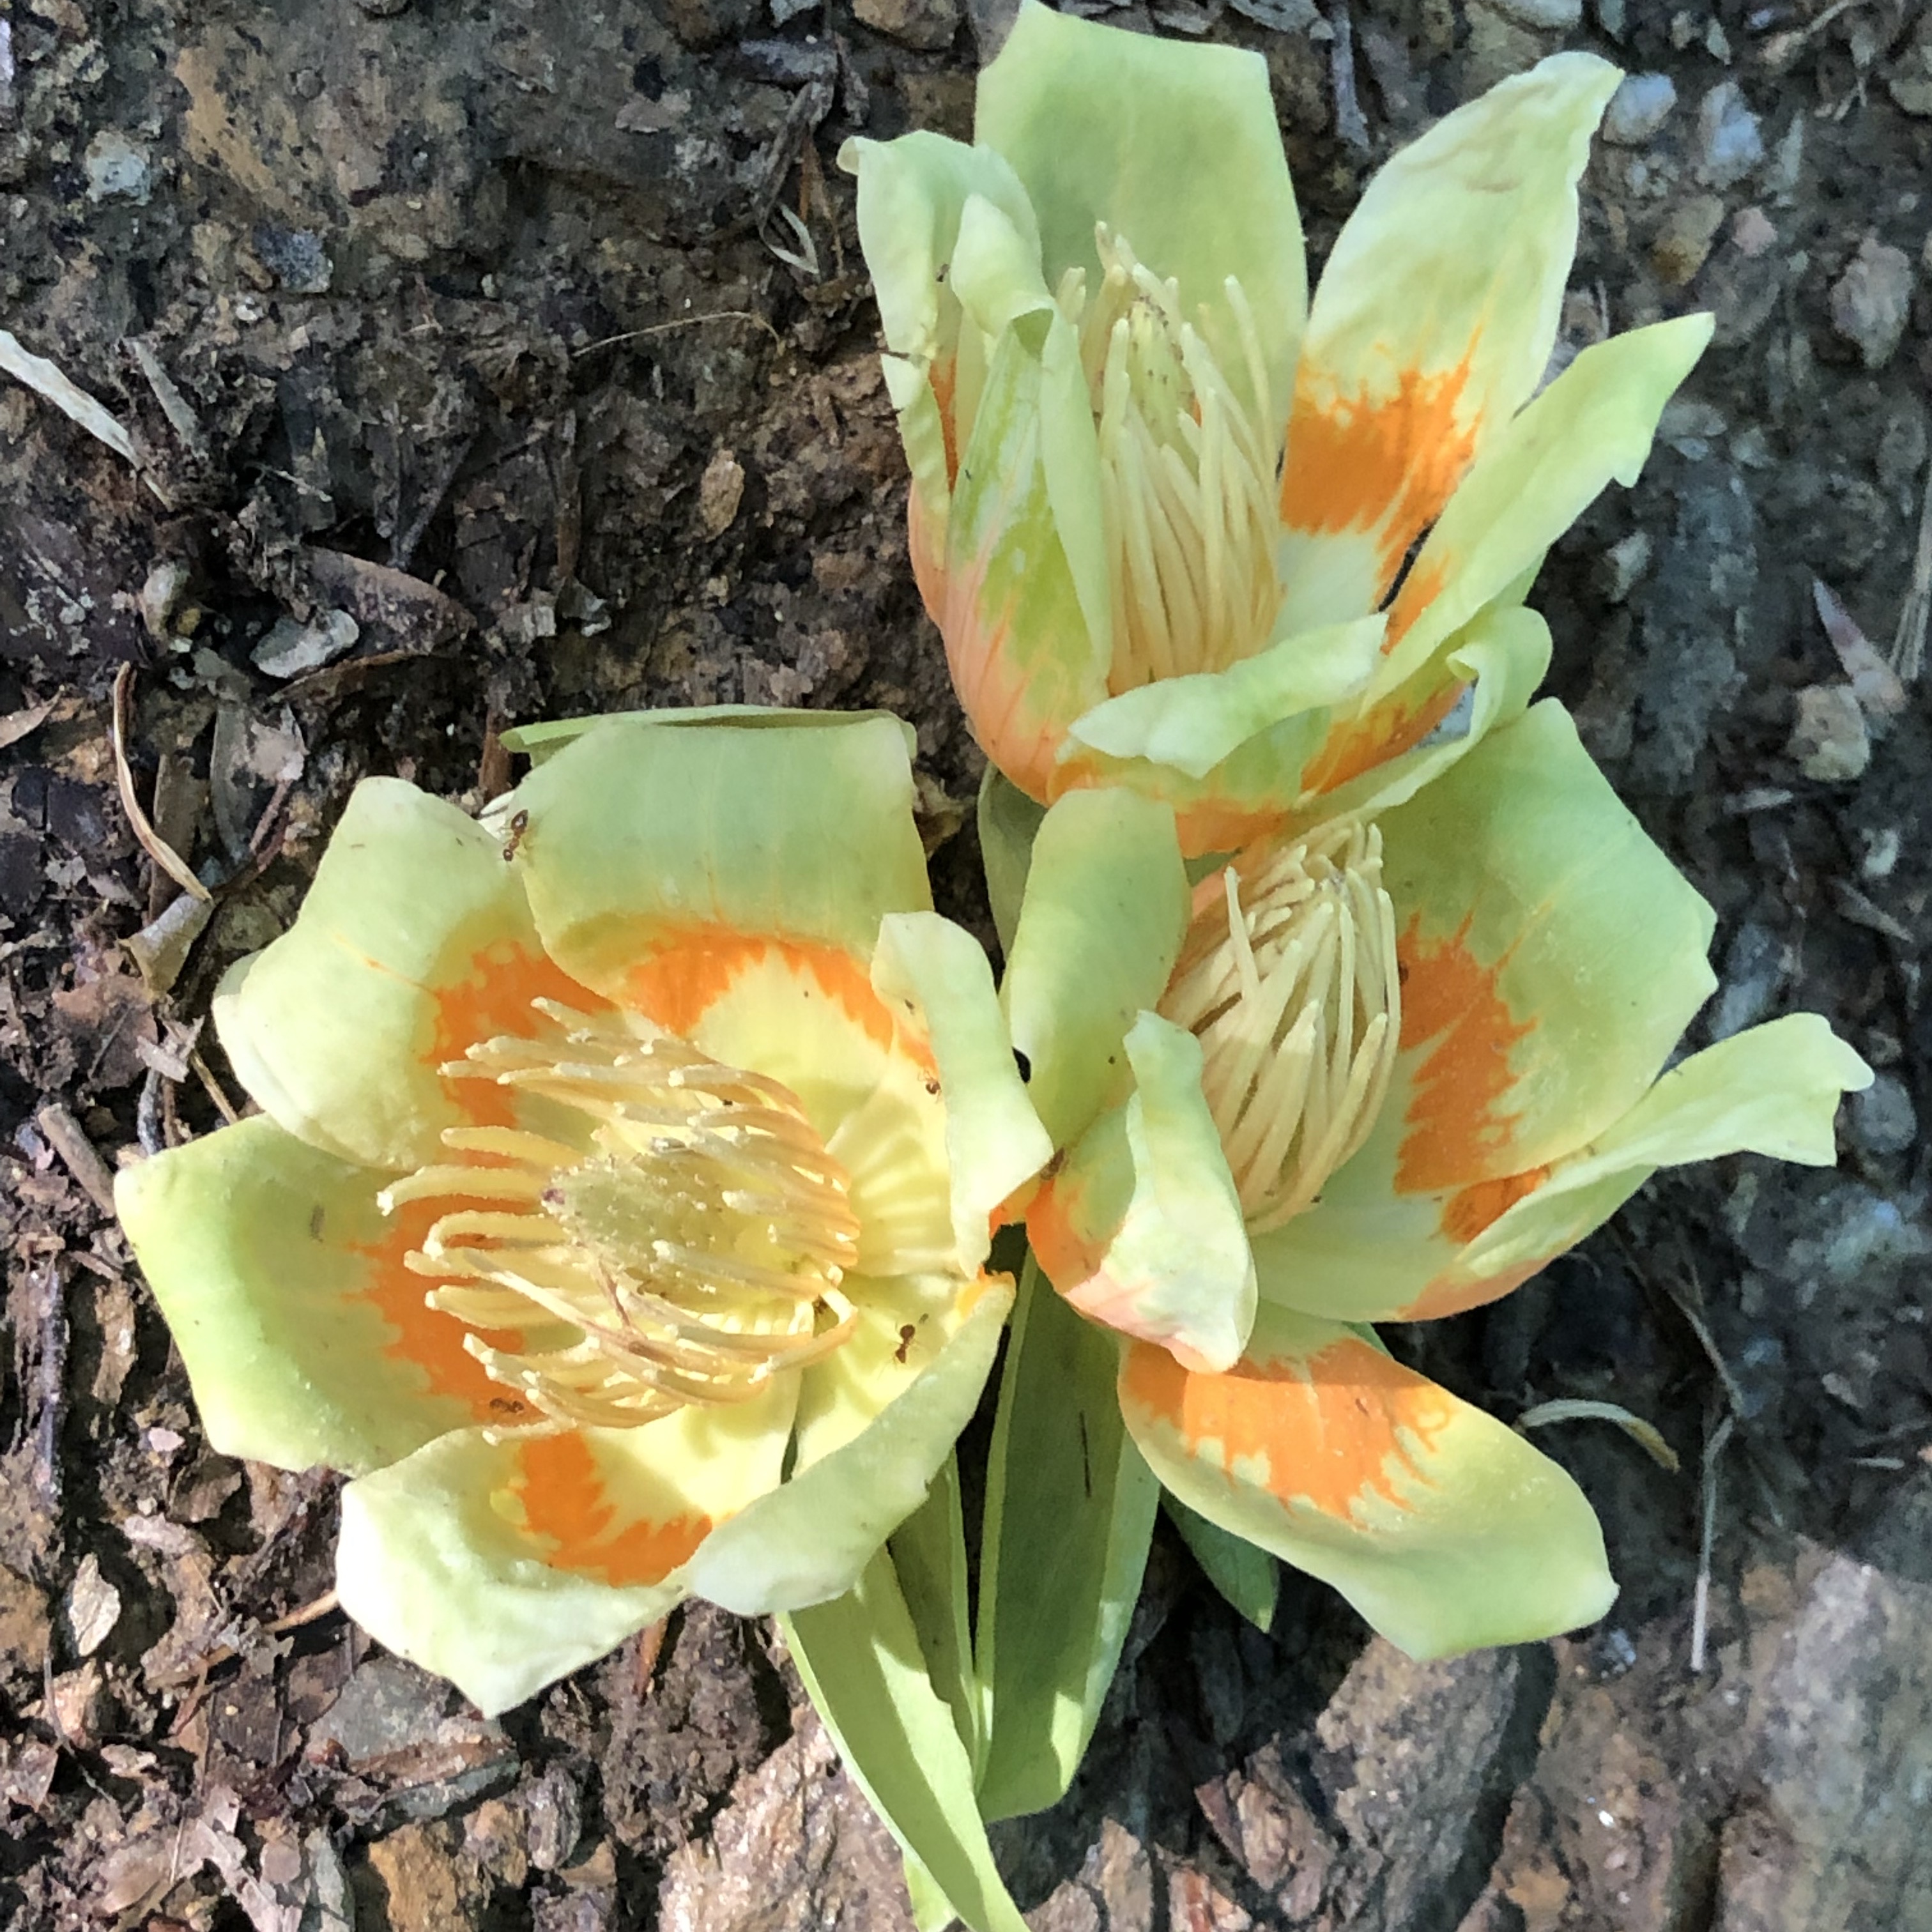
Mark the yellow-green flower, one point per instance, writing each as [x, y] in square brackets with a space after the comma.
[617, 1213]
[1162, 510]
[1379, 1070]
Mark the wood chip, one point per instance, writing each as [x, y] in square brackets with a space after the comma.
[68, 1139]
[151, 842]
[44, 379]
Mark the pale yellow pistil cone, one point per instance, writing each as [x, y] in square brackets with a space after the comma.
[679, 1237]
[1187, 474]
[1288, 979]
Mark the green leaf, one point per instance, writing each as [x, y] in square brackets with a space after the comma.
[929, 1553]
[861, 1660]
[1246, 1576]
[1070, 1513]
[1009, 823]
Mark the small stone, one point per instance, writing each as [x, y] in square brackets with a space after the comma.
[1612, 17]
[1883, 1118]
[1829, 741]
[1872, 300]
[290, 649]
[420, 1877]
[1638, 109]
[79, 1700]
[1547, 16]
[1752, 232]
[1623, 566]
[296, 258]
[160, 597]
[1684, 242]
[1729, 144]
[929, 25]
[720, 491]
[117, 166]
[93, 1607]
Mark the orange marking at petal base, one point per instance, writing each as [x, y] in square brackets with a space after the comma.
[944, 377]
[687, 971]
[1068, 1258]
[494, 999]
[1386, 464]
[1456, 1125]
[562, 1491]
[1471, 1210]
[1361, 744]
[431, 1340]
[925, 546]
[1330, 1430]
[1442, 1298]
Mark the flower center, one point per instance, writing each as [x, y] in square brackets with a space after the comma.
[1289, 980]
[1187, 474]
[669, 1230]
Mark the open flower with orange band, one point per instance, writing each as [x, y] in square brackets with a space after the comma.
[1180, 530]
[616, 1212]
[1384, 1070]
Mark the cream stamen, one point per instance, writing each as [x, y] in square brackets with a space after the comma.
[1290, 985]
[681, 1238]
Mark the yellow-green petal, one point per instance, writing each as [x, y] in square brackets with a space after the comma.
[1433, 325]
[639, 834]
[995, 1141]
[339, 1027]
[1445, 1530]
[1595, 423]
[1176, 148]
[874, 1427]
[1100, 927]
[1141, 1227]
[305, 1339]
[503, 1563]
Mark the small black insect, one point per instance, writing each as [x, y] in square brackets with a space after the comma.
[519, 823]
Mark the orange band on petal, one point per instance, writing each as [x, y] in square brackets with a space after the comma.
[496, 998]
[431, 1340]
[1363, 743]
[1471, 1210]
[562, 1491]
[1442, 1298]
[1386, 465]
[1455, 1123]
[684, 973]
[1331, 1432]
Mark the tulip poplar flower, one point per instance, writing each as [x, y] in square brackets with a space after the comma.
[1179, 530]
[617, 1213]
[1381, 1069]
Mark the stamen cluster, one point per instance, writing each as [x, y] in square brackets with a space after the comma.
[676, 1232]
[1288, 979]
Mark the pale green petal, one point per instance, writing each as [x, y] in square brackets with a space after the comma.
[912, 193]
[1176, 148]
[994, 1139]
[1141, 1229]
[1773, 1089]
[334, 1027]
[859, 1657]
[540, 741]
[1191, 724]
[1594, 423]
[812, 1538]
[1099, 930]
[267, 1258]
[1551, 957]
[1069, 1509]
[504, 1563]
[1444, 1528]
[1025, 604]
[1009, 822]
[1433, 325]
[638, 833]
[1504, 655]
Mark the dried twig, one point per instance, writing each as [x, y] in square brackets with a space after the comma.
[1351, 124]
[46, 379]
[1646, 1436]
[683, 322]
[151, 842]
[67, 1138]
[1908, 642]
[1700, 1602]
[174, 406]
